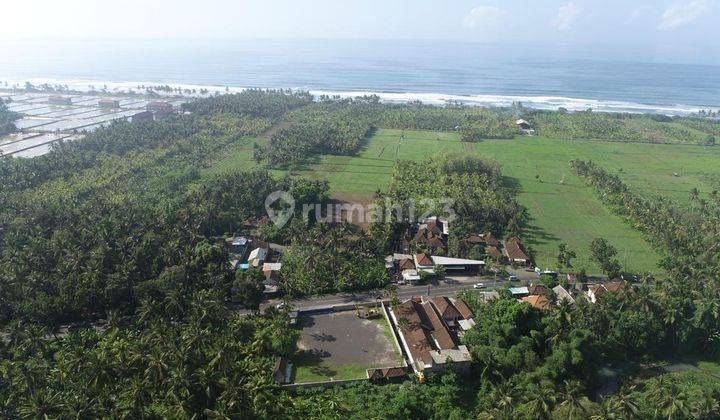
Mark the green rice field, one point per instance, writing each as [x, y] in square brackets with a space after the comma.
[562, 207]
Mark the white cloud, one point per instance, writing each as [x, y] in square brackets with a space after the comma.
[682, 13]
[485, 17]
[566, 17]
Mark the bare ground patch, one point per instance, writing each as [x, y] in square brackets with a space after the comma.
[339, 345]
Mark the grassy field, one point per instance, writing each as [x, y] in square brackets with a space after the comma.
[562, 207]
[324, 371]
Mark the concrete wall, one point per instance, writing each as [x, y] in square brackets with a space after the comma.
[324, 384]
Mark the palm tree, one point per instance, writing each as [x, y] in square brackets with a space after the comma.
[572, 398]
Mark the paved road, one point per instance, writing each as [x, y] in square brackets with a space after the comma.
[448, 286]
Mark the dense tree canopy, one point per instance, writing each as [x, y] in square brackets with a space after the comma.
[122, 232]
[7, 119]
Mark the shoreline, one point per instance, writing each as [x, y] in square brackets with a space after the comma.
[551, 103]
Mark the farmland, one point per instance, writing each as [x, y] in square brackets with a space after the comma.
[562, 208]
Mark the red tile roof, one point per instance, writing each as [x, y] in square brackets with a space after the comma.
[406, 264]
[462, 307]
[493, 251]
[414, 333]
[514, 249]
[424, 260]
[537, 289]
[537, 301]
[439, 330]
[446, 309]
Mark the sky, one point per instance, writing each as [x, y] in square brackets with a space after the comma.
[652, 22]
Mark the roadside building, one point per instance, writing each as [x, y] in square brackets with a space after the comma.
[448, 312]
[537, 290]
[428, 340]
[515, 251]
[519, 292]
[459, 265]
[59, 100]
[423, 262]
[406, 268]
[109, 103]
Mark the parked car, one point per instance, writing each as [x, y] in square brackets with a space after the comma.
[513, 278]
[479, 286]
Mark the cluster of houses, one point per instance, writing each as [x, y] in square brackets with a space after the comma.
[539, 295]
[409, 268]
[431, 235]
[513, 250]
[245, 252]
[430, 330]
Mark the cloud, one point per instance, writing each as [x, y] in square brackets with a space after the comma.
[484, 17]
[682, 13]
[566, 17]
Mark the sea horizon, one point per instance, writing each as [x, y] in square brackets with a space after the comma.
[606, 78]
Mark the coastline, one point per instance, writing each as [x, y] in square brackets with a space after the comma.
[482, 100]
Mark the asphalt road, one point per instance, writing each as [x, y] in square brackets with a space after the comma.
[448, 286]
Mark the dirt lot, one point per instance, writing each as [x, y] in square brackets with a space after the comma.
[340, 345]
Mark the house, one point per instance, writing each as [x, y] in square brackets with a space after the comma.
[595, 291]
[405, 264]
[109, 103]
[466, 322]
[59, 100]
[525, 127]
[537, 290]
[424, 263]
[236, 244]
[562, 295]
[431, 233]
[518, 292]
[426, 337]
[448, 312]
[159, 108]
[271, 272]
[406, 268]
[257, 256]
[486, 239]
[537, 301]
[515, 251]
[493, 252]
[410, 276]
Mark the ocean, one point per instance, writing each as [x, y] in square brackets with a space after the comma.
[604, 78]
